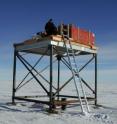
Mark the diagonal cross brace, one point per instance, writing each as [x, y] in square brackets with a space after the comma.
[38, 72]
[36, 75]
[67, 64]
[32, 68]
[22, 60]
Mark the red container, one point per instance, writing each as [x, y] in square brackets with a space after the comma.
[81, 36]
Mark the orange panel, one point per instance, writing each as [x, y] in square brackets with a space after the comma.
[74, 33]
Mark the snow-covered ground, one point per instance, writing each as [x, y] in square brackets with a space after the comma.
[31, 113]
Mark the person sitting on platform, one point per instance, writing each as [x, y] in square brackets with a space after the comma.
[50, 28]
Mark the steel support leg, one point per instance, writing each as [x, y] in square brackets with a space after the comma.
[51, 78]
[95, 79]
[14, 77]
[58, 85]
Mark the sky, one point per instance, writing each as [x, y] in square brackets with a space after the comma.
[21, 19]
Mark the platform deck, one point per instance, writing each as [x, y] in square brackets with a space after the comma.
[40, 46]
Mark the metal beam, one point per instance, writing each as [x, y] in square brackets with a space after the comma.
[68, 96]
[63, 85]
[58, 85]
[95, 79]
[86, 64]
[14, 77]
[51, 79]
[87, 85]
[32, 100]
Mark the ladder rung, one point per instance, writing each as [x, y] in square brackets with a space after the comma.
[65, 30]
[70, 49]
[83, 100]
[65, 36]
[70, 54]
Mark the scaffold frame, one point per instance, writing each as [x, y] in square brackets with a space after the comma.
[51, 49]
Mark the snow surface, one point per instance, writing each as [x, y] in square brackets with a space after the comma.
[32, 113]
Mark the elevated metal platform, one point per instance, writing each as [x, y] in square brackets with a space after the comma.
[53, 47]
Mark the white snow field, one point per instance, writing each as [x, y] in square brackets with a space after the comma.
[31, 113]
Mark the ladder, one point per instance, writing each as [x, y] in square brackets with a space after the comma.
[74, 69]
